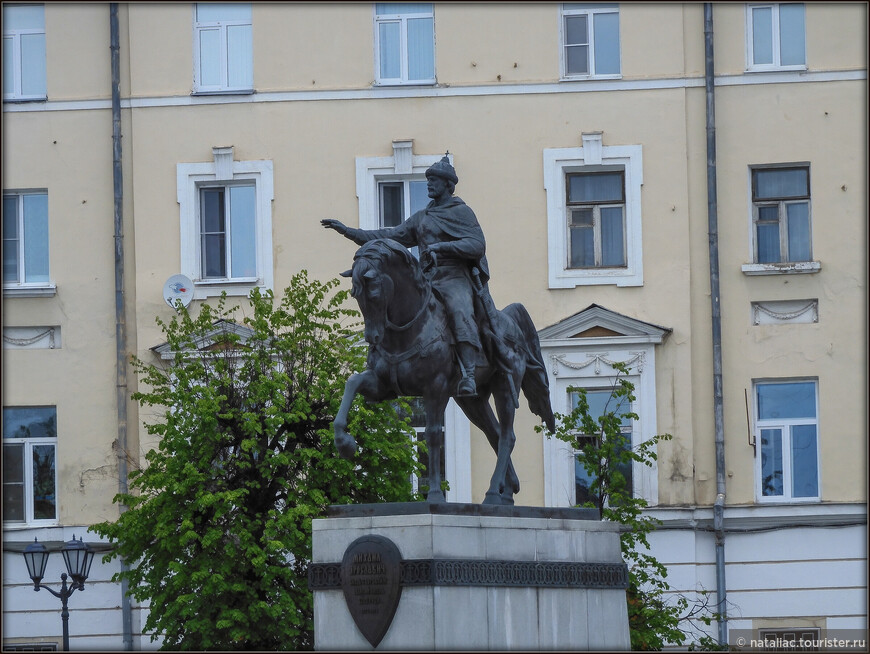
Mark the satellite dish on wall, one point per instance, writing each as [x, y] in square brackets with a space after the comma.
[178, 287]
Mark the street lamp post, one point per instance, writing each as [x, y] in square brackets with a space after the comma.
[78, 558]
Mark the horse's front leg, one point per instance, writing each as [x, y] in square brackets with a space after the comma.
[344, 442]
[434, 443]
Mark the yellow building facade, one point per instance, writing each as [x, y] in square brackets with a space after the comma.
[579, 134]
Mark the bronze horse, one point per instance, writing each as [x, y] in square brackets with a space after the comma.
[410, 354]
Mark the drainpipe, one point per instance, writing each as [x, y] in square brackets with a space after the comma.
[120, 303]
[715, 299]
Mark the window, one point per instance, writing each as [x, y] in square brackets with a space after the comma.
[23, 52]
[781, 214]
[223, 48]
[580, 352]
[590, 40]
[594, 214]
[600, 401]
[227, 230]
[25, 242]
[29, 474]
[226, 224]
[786, 434]
[596, 219]
[776, 37]
[404, 43]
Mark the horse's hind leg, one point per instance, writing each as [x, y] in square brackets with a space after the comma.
[481, 415]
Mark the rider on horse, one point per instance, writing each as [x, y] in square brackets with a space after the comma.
[451, 245]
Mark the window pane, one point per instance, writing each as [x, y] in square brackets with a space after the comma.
[33, 64]
[577, 60]
[606, 43]
[804, 461]
[612, 240]
[213, 233]
[382, 8]
[582, 247]
[595, 187]
[768, 243]
[601, 401]
[8, 65]
[798, 231]
[781, 183]
[786, 400]
[214, 12]
[10, 238]
[419, 196]
[243, 218]
[576, 32]
[24, 17]
[213, 255]
[36, 238]
[582, 481]
[13, 482]
[213, 218]
[44, 500]
[30, 422]
[762, 35]
[771, 462]
[209, 57]
[388, 44]
[792, 37]
[239, 57]
[392, 204]
[421, 48]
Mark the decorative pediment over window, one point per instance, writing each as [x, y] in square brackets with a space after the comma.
[212, 340]
[596, 322]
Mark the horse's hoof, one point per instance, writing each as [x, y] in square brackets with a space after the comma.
[435, 497]
[492, 498]
[346, 445]
[507, 500]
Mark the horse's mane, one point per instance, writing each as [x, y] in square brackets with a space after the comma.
[379, 251]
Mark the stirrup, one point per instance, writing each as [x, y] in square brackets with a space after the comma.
[466, 387]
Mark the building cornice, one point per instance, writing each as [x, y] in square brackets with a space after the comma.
[750, 518]
[400, 92]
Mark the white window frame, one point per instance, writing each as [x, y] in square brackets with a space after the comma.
[591, 11]
[221, 26]
[403, 164]
[28, 444]
[593, 156]
[17, 76]
[776, 65]
[588, 363]
[190, 178]
[589, 366]
[784, 425]
[402, 19]
[22, 288]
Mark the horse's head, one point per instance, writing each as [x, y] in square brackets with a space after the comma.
[379, 267]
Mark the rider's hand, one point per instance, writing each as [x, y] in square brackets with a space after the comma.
[337, 225]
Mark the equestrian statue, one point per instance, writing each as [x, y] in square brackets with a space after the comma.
[433, 331]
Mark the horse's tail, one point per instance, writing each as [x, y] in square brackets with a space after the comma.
[535, 384]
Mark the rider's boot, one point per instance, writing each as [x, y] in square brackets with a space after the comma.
[466, 387]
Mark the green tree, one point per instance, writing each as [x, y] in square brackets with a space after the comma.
[605, 452]
[217, 526]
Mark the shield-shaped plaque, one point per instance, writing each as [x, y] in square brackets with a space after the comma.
[371, 581]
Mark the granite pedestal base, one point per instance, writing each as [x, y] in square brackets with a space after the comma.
[476, 578]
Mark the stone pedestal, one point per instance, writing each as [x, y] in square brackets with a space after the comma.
[473, 577]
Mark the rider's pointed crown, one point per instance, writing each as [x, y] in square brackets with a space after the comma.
[443, 169]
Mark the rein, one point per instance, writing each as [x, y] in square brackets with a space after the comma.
[423, 306]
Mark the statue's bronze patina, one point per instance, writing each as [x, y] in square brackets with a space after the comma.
[434, 332]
